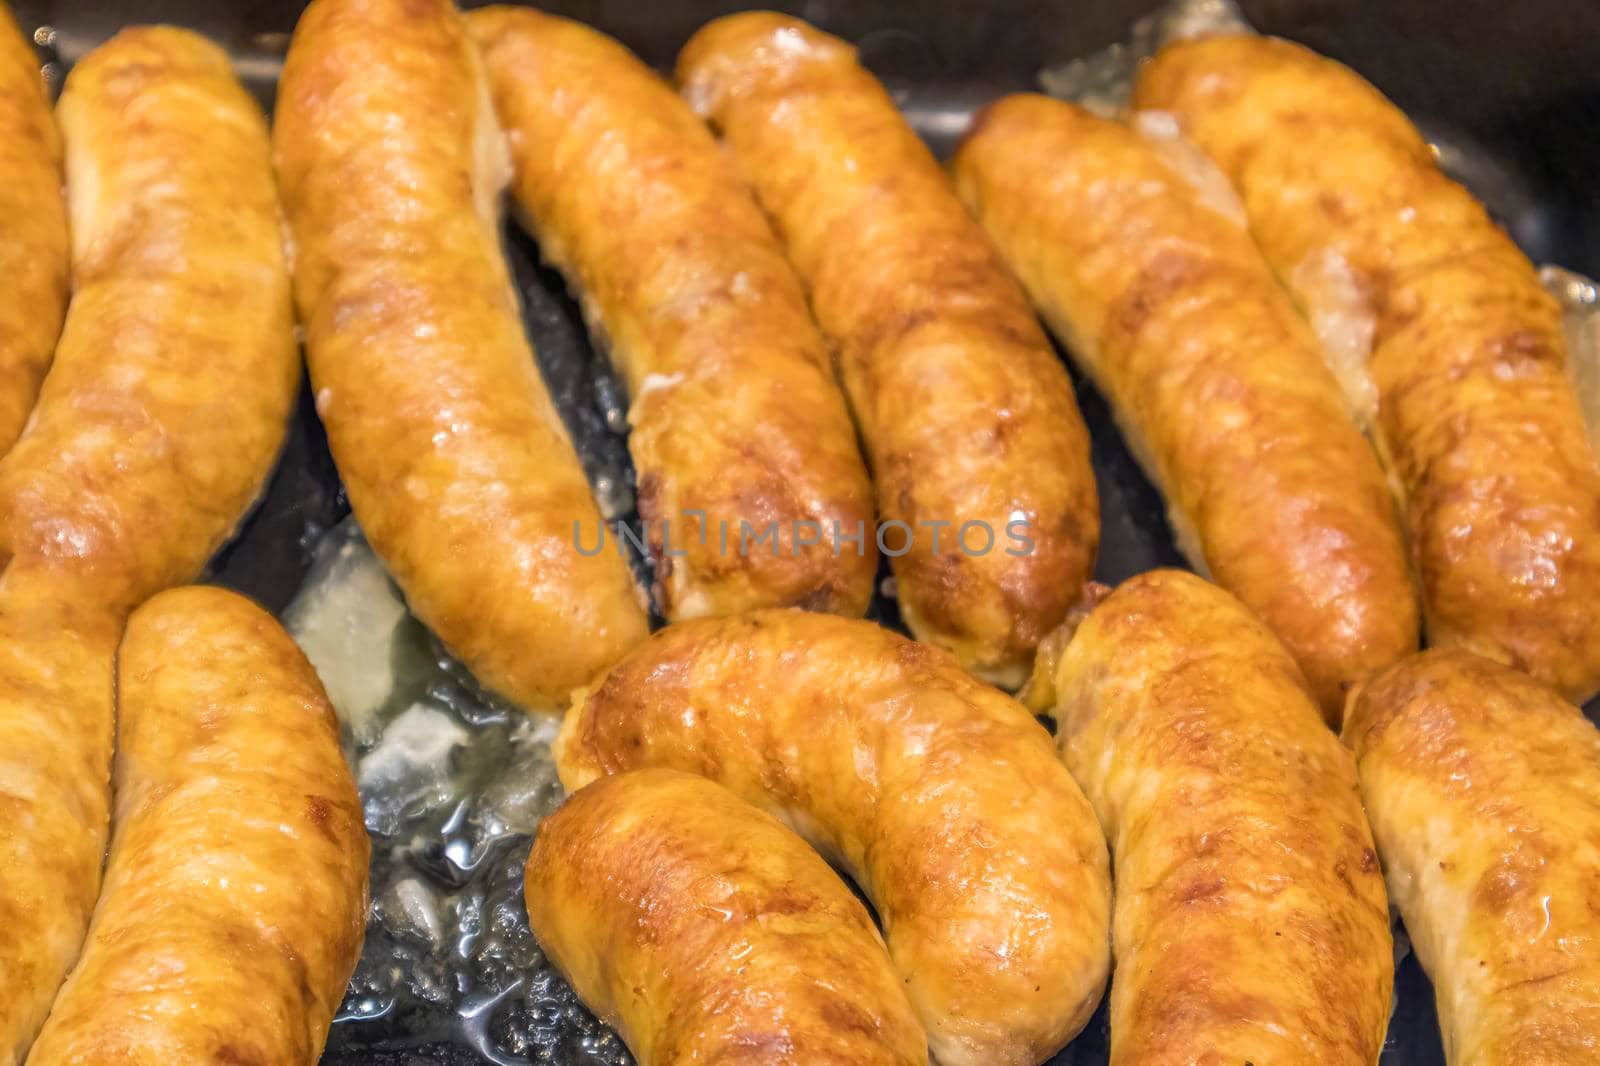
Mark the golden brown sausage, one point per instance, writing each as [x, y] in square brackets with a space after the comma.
[1250, 921]
[736, 417]
[1483, 787]
[704, 931]
[1453, 349]
[160, 418]
[235, 890]
[1217, 381]
[456, 462]
[171, 389]
[941, 796]
[966, 413]
[33, 217]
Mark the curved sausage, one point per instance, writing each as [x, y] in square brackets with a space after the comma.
[942, 797]
[702, 930]
[456, 462]
[235, 890]
[1217, 381]
[737, 422]
[33, 217]
[1483, 787]
[1250, 921]
[967, 415]
[1452, 348]
[160, 418]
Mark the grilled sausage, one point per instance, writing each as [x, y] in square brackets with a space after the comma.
[1217, 381]
[1483, 787]
[702, 930]
[456, 462]
[235, 890]
[159, 420]
[942, 797]
[33, 217]
[737, 422]
[966, 413]
[1250, 921]
[1452, 349]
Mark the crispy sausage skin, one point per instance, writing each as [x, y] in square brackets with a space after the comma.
[702, 930]
[1216, 379]
[941, 796]
[456, 462]
[1250, 921]
[735, 414]
[1483, 787]
[966, 413]
[235, 890]
[159, 420]
[33, 217]
[1464, 381]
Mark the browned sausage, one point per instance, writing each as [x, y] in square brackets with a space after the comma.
[1250, 921]
[1452, 348]
[457, 465]
[737, 424]
[1483, 787]
[966, 413]
[235, 892]
[941, 796]
[704, 931]
[1216, 380]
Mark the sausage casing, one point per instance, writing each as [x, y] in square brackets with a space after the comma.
[33, 217]
[1483, 787]
[1216, 379]
[234, 901]
[735, 416]
[705, 931]
[940, 795]
[966, 413]
[456, 462]
[1453, 349]
[1250, 921]
[161, 415]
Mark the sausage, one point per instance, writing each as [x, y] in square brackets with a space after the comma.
[235, 890]
[1217, 381]
[966, 413]
[702, 930]
[1453, 349]
[171, 389]
[457, 465]
[33, 216]
[737, 423]
[1483, 787]
[1250, 922]
[939, 795]
[162, 413]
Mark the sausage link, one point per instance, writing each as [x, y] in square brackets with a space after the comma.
[1483, 787]
[456, 462]
[33, 217]
[235, 890]
[1451, 347]
[966, 412]
[941, 796]
[735, 416]
[1250, 921]
[704, 931]
[1215, 378]
[158, 422]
